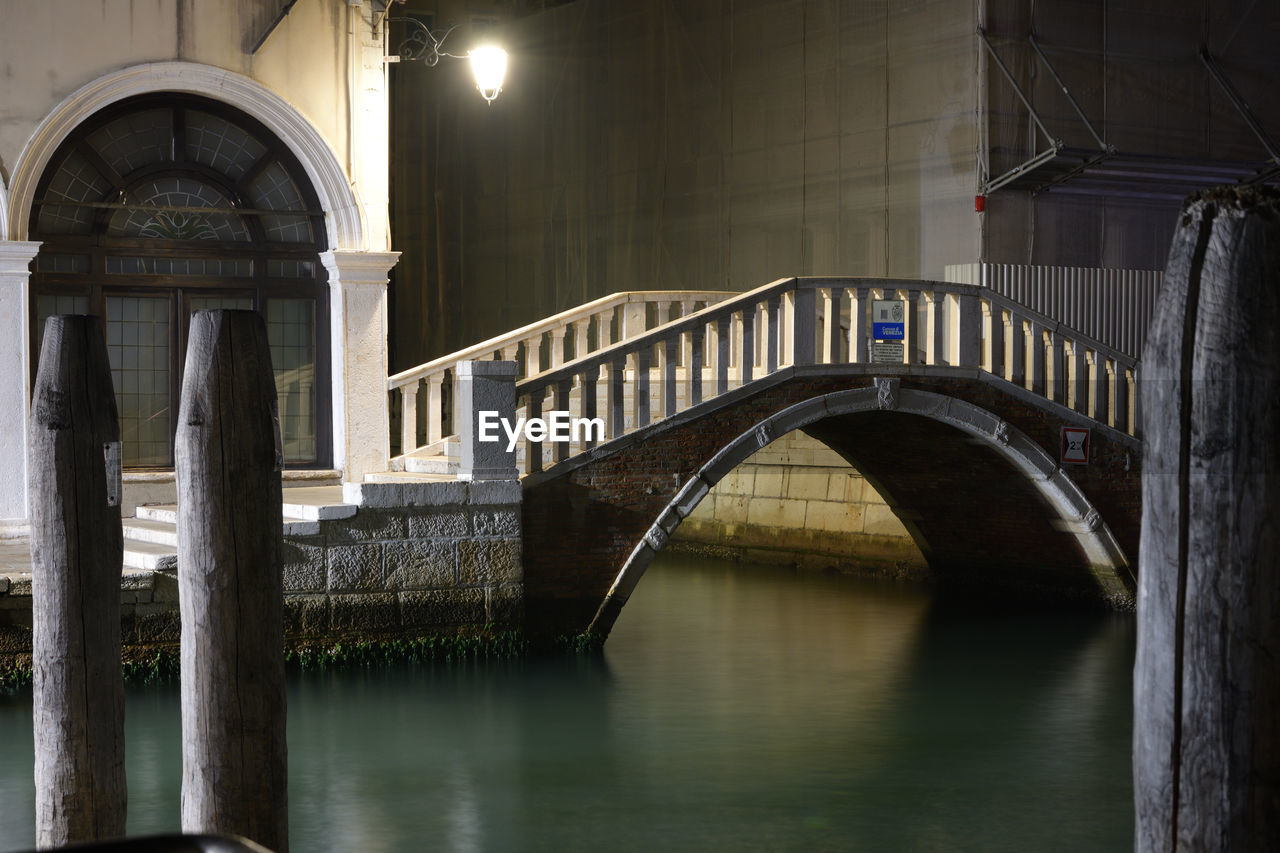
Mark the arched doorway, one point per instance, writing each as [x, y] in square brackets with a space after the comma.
[166, 203]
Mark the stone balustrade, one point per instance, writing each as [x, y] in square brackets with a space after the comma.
[537, 347]
[814, 321]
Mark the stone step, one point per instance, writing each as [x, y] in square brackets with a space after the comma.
[158, 523]
[431, 465]
[152, 531]
[408, 477]
[150, 556]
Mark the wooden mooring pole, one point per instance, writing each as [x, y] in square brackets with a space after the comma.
[1206, 755]
[73, 462]
[230, 583]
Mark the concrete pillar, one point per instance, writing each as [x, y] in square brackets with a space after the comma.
[15, 349]
[358, 334]
[486, 386]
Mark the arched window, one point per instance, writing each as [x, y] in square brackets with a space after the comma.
[165, 204]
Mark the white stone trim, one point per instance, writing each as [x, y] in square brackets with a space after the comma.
[344, 213]
[15, 391]
[358, 337]
[4, 211]
[1076, 515]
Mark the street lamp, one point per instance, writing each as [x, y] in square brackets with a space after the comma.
[488, 62]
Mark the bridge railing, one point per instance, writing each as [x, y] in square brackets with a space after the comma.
[537, 347]
[801, 321]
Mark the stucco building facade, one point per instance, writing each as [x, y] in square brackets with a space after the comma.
[161, 157]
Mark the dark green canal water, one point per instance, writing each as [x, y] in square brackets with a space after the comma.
[734, 708]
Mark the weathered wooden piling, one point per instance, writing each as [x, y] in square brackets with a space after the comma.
[1207, 677]
[230, 584]
[73, 462]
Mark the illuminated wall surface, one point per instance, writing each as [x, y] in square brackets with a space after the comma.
[718, 144]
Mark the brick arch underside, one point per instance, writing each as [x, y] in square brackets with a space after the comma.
[979, 520]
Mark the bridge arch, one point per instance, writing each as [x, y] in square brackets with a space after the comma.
[1072, 512]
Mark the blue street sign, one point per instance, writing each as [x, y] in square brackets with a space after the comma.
[888, 320]
[888, 331]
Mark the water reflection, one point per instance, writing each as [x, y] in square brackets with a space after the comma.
[734, 708]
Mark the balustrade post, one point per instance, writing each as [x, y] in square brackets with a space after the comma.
[435, 407]
[713, 345]
[993, 328]
[604, 329]
[695, 364]
[911, 344]
[510, 352]
[614, 396]
[1057, 368]
[533, 449]
[1102, 388]
[587, 401]
[1079, 378]
[1120, 414]
[409, 418]
[640, 402]
[967, 330]
[747, 361]
[633, 326]
[532, 356]
[934, 302]
[1037, 359]
[859, 306]
[557, 347]
[668, 353]
[832, 299]
[722, 354]
[772, 346]
[1015, 336]
[686, 308]
[735, 344]
[563, 388]
[786, 316]
[761, 341]
[1112, 393]
[633, 320]
[803, 328]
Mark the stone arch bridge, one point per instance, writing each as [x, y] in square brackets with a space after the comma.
[960, 429]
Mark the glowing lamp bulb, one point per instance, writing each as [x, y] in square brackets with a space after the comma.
[489, 65]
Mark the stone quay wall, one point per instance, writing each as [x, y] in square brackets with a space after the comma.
[412, 560]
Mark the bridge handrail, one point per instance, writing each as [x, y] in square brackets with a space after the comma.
[606, 355]
[959, 329]
[599, 314]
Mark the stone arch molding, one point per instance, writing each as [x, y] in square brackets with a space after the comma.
[1076, 514]
[344, 215]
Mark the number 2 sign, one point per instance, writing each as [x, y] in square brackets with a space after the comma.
[1075, 445]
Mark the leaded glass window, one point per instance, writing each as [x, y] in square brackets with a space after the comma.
[166, 204]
